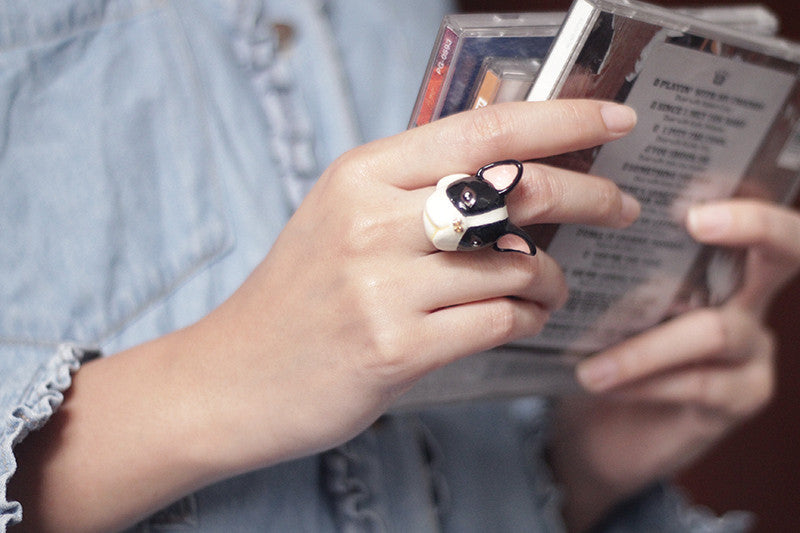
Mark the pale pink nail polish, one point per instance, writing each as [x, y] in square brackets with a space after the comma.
[618, 118]
[709, 221]
[598, 374]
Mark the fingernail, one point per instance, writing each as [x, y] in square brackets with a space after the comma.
[709, 221]
[597, 375]
[618, 118]
[630, 208]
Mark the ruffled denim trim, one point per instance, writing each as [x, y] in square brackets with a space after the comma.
[37, 404]
[534, 418]
[663, 508]
[345, 474]
[258, 44]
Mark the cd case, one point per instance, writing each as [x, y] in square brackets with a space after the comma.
[480, 59]
[468, 46]
[718, 118]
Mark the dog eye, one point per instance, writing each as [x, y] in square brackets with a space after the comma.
[468, 197]
[475, 242]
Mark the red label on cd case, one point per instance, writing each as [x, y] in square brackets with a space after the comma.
[438, 75]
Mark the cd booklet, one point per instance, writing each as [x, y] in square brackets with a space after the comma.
[718, 101]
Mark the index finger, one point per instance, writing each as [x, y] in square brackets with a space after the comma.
[700, 336]
[466, 141]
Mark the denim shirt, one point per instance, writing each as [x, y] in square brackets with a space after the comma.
[150, 152]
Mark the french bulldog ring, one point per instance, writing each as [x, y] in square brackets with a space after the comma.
[468, 212]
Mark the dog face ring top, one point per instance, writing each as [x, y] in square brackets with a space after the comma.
[468, 212]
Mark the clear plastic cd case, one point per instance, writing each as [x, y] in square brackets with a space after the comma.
[718, 102]
[470, 45]
[479, 59]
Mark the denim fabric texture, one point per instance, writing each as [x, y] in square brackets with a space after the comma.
[150, 153]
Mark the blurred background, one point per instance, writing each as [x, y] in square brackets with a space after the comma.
[757, 467]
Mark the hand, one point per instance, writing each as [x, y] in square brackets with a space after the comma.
[353, 304]
[661, 399]
[349, 308]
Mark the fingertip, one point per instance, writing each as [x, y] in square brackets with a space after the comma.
[598, 374]
[619, 119]
[631, 209]
[708, 222]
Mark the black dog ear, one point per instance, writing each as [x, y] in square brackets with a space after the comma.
[503, 175]
[515, 240]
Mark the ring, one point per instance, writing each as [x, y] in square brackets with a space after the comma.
[468, 212]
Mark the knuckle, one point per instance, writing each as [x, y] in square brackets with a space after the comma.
[572, 113]
[489, 127]
[351, 171]
[527, 268]
[715, 331]
[736, 398]
[763, 389]
[343, 168]
[759, 390]
[533, 273]
[366, 231]
[546, 281]
[361, 235]
[385, 344]
[502, 321]
[545, 193]
[705, 391]
[628, 365]
[761, 225]
[765, 384]
[389, 349]
[608, 200]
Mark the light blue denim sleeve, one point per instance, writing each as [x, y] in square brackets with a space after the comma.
[34, 380]
[142, 177]
[109, 194]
